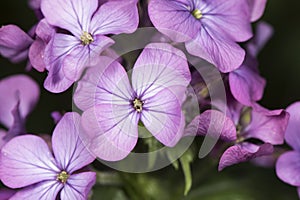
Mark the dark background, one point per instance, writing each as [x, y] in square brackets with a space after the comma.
[279, 64]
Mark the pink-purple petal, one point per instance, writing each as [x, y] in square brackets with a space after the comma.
[214, 124]
[288, 168]
[111, 131]
[78, 186]
[26, 160]
[105, 83]
[163, 117]
[292, 133]
[257, 8]
[243, 152]
[222, 52]
[159, 66]
[72, 15]
[17, 88]
[115, 17]
[46, 190]
[69, 151]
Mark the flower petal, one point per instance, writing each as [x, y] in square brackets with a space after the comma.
[212, 123]
[26, 160]
[163, 117]
[46, 190]
[174, 19]
[269, 129]
[224, 53]
[242, 153]
[257, 8]
[160, 66]
[78, 186]
[17, 88]
[84, 56]
[72, 15]
[14, 43]
[111, 131]
[288, 168]
[115, 17]
[246, 85]
[69, 151]
[292, 131]
[105, 83]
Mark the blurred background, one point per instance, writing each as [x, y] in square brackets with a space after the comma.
[279, 64]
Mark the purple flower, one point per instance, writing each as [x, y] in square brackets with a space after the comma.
[14, 43]
[20, 95]
[113, 107]
[288, 164]
[26, 161]
[67, 55]
[210, 28]
[257, 8]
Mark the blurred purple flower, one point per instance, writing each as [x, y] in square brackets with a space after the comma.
[26, 161]
[211, 29]
[288, 164]
[67, 55]
[5, 194]
[20, 95]
[257, 8]
[113, 107]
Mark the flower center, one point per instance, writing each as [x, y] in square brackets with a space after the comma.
[197, 14]
[86, 38]
[138, 105]
[63, 177]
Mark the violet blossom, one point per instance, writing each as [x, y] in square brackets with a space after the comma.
[288, 164]
[27, 163]
[209, 28]
[21, 94]
[113, 107]
[67, 55]
[257, 8]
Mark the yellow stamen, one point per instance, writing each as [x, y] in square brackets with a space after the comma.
[197, 14]
[138, 105]
[86, 38]
[63, 177]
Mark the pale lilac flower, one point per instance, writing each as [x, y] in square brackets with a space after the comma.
[113, 107]
[288, 164]
[14, 43]
[19, 96]
[67, 55]
[26, 161]
[209, 28]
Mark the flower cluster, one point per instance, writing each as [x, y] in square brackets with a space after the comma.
[115, 95]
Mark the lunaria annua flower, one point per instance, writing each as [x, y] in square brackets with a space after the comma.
[209, 28]
[67, 55]
[251, 133]
[20, 95]
[26, 161]
[288, 164]
[113, 107]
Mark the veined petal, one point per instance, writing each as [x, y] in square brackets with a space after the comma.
[163, 117]
[222, 52]
[227, 18]
[160, 66]
[69, 151]
[115, 17]
[46, 190]
[246, 85]
[111, 130]
[26, 160]
[17, 88]
[83, 56]
[292, 131]
[14, 42]
[214, 124]
[267, 128]
[242, 153]
[174, 19]
[72, 15]
[288, 168]
[105, 83]
[78, 186]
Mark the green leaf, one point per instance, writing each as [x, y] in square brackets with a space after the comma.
[185, 162]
